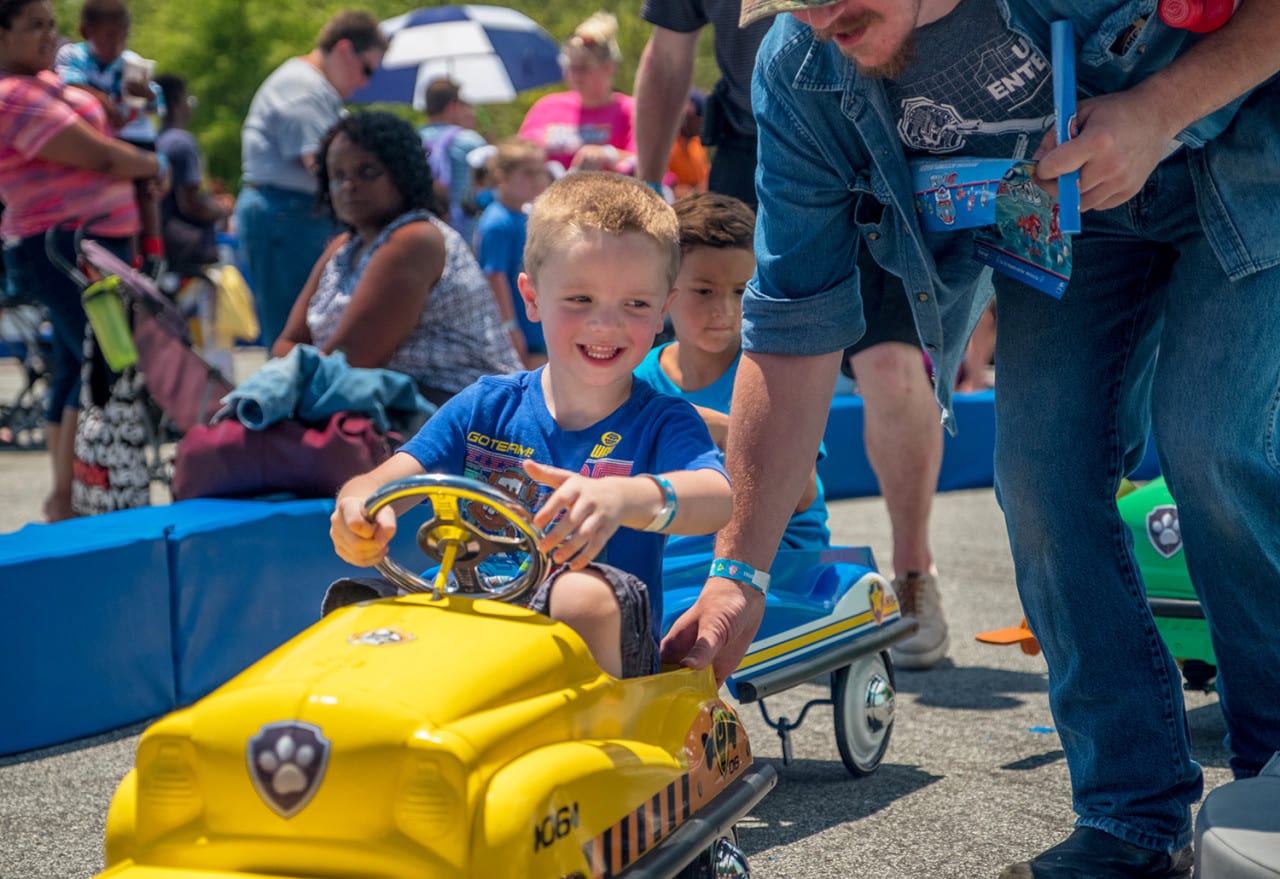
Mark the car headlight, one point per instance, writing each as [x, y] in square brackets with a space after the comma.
[168, 790]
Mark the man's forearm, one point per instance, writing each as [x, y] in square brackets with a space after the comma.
[663, 79]
[774, 435]
[1221, 67]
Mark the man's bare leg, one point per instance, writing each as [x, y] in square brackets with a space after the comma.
[903, 435]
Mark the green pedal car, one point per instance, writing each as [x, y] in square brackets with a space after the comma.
[1152, 516]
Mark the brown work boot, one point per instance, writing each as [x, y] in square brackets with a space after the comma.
[920, 600]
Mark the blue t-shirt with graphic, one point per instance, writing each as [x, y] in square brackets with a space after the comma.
[499, 246]
[807, 529]
[488, 429]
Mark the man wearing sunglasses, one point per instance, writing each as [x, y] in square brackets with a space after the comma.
[1178, 154]
[280, 234]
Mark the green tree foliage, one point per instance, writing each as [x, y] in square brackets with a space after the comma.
[226, 48]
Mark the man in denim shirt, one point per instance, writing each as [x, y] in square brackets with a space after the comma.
[1179, 160]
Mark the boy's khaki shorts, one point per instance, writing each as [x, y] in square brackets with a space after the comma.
[639, 649]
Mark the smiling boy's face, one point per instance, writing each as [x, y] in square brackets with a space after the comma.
[600, 300]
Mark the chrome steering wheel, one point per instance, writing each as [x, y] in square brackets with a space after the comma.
[458, 543]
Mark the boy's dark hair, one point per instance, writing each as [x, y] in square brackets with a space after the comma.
[395, 143]
[95, 12]
[440, 94]
[360, 28]
[709, 219]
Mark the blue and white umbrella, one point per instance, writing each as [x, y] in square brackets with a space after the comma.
[491, 52]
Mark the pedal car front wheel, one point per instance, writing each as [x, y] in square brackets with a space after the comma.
[454, 538]
[864, 705]
[722, 860]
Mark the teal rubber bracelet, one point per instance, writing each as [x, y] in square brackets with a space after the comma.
[667, 514]
[732, 569]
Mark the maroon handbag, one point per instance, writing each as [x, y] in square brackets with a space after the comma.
[228, 459]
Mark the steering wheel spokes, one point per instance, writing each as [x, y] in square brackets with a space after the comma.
[458, 543]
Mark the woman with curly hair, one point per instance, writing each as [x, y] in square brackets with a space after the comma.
[399, 289]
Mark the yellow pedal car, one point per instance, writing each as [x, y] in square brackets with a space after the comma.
[440, 734]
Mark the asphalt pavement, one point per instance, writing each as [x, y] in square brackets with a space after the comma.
[974, 776]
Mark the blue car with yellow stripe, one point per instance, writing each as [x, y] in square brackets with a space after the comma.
[828, 612]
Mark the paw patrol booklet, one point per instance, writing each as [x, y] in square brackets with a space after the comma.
[1022, 230]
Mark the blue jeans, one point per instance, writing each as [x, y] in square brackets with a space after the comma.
[281, 237]
[1079, 384]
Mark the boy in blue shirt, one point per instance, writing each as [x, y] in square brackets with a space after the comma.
[609, 464]
[717, 260]
[520, 175]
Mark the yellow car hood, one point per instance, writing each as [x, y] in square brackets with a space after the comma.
[404, 655]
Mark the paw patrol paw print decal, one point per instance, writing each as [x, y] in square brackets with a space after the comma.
[287, 761]
[1163, 530]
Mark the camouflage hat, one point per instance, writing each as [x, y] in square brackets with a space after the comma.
[754, 10]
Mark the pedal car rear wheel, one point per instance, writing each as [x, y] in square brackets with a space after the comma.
[864, 704]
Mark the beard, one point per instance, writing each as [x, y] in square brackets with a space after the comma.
[892, 67]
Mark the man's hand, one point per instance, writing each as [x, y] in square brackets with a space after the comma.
[717, 630]
[1121, 140]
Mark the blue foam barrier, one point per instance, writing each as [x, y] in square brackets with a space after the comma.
[87, 646]
[968, 458]
[249, 575]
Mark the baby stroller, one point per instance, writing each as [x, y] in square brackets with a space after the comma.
[22, 336]
[156, 387]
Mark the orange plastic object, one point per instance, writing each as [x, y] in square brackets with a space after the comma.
[1019, 634]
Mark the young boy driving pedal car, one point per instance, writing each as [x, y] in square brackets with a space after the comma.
[610, 465]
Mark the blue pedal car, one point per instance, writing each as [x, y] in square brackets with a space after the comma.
[828, 612]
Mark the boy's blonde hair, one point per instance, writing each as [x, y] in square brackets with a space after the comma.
[597, 37]
[603, 201]
[516, 151]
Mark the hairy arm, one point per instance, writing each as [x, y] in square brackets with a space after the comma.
[663, 79]
[775, 438]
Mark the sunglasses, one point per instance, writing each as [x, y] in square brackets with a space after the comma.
[365, 68]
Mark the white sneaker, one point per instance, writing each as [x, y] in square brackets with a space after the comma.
[919, 598]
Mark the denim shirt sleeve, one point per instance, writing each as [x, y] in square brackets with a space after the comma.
[804, 297]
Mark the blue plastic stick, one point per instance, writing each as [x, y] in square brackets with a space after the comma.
[1062, 46]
